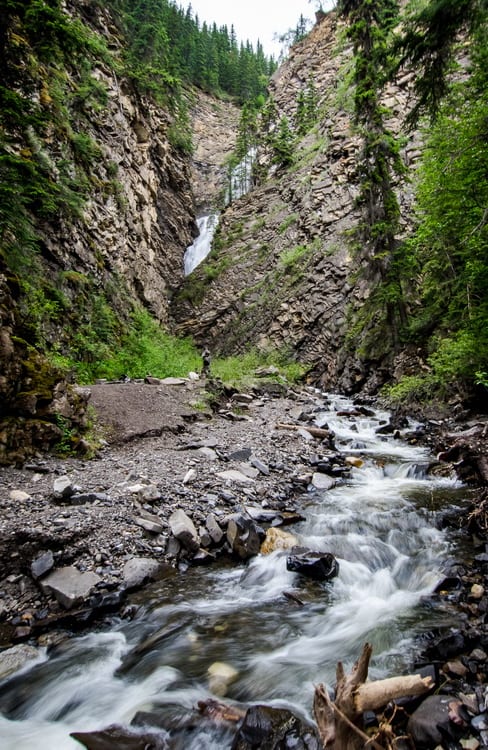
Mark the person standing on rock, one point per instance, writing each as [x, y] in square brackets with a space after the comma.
[206, 362]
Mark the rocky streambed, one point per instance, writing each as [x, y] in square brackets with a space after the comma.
[176, 487]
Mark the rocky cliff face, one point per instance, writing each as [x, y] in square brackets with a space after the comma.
[140, 214]
[126, 244]
[281, 274]
[214, 126]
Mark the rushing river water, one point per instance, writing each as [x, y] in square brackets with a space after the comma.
[379, 524]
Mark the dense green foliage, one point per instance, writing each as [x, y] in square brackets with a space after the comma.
[51, 100]
[167, 46]
[39, 47]
[447, 257]
[435, 285]
[370, 29]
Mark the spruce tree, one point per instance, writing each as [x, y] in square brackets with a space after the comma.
[370, 23]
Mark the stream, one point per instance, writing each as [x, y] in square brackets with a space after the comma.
[379, 523]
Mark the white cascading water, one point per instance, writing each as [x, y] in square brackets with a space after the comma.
[379, 525]
[240, 183]
[241, 176]
[199, 250]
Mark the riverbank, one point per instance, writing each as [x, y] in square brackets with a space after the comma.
[165, 450]
[110, 518]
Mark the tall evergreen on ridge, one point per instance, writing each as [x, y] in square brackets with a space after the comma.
[369, 27]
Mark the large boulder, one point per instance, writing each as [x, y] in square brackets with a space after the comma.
[244, 537]
[270, 728]
[430, 724]
[278, 539]
[320, 566]
[183, 528]
[70, 587]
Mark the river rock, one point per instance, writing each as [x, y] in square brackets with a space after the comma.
[214, 529]
[320, 566]
[274, 729]
[138, 570]
[237, 477]
[18, 496]
[354, 461]
[244, 537]
[322, 481]
[69, 586]
[277, 539]
[63, 488]
[183, 528]
[430, 723]
[42, 564]
[149, 522]
[259, 465]
[120, 738]
[81, 498]
[15, 658]
[220, 676]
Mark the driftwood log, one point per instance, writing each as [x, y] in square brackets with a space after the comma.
[318, 432]
[340, 722]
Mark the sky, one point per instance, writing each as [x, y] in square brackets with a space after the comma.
[256, 19]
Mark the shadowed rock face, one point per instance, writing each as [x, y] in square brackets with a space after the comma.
[282, 273]
[33, 394]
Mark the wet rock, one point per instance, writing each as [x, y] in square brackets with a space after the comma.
[320, 566]
[274, 729]
[15, 658]
[120, 738]
[278, 539]
[220, 712]
[203, 557]
[220, 677]
[354, 461]
[42, 564]
[273, 517]
[322, 481]
[183, 529]
[430, 723]
[447, 647]
[244, 537]
[138, 570]
[69, 586]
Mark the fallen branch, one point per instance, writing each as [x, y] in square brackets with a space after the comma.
[340, 722]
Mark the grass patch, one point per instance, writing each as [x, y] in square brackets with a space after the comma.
[240, 370]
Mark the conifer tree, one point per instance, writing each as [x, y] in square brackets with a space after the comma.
[283, 143]
[370, 24]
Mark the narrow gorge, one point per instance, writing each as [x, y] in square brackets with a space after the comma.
[243, 379]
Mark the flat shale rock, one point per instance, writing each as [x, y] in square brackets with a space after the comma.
[70, 587]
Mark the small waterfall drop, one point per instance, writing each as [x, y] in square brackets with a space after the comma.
[199, 250]
[240, 179]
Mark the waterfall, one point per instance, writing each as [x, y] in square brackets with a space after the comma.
[199, 250]
[240, 179]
